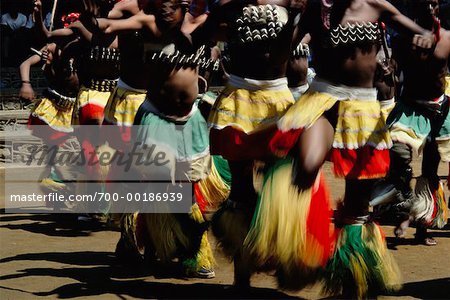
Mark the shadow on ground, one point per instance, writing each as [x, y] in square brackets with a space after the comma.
[97, 274]
[63, 225]
[428, 289]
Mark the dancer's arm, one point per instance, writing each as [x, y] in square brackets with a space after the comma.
[26, 90]
[420, 37]
[40, 26]
[123, 8]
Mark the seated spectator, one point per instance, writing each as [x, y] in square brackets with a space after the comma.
[14, 20]
[47, 21]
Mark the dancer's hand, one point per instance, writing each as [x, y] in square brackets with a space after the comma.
[26, 91]
[47, 56]
[424, 41]
[37, 5]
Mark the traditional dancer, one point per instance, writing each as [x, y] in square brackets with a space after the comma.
[169, 117]
[51, 116]
[134, 75]
[340, 118]
[420, 121]
[98, 71]
[259, 41]
[357, 146]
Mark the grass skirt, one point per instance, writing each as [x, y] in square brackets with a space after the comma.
[214, 189]
[361, 260]
[46, 112]
[291, 228]
[90, 106]
[176, 235]
[447, 86]
[431, 207]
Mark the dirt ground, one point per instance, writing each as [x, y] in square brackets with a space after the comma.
[45, 256]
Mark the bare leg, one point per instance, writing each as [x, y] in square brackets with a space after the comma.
[242, 273]
[400, 173]
[430, 164]
[356, 207]
[313, 148]
[356, 200]
[233, 228]
[400, 230]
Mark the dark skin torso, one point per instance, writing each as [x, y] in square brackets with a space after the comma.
[352, 64]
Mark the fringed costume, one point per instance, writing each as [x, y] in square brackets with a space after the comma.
[176, 235]
[89, 111]
[51, 120]
[214, 189]
[119, 114]
[361, 261]
[291, 229]
[54, 110]
[361, 141]
[447, 85]
[414, 123]
[243, 106]
[360, 150]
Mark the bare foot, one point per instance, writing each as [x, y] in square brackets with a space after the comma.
[423, 237]
[426, 240]
[400, 230]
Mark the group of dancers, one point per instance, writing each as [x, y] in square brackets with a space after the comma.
[260, 146]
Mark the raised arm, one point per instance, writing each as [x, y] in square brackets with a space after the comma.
[40, 27]
[212, 28]
[124, 8]
[136, 22]
[420, 37]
